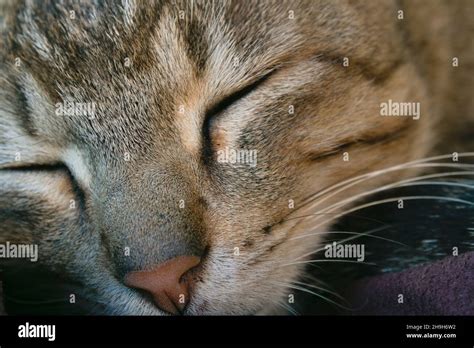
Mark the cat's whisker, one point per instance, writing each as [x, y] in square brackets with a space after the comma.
[287, 307]
[307, 285]
[360, 235]
[384, 171]
[309, 276]
[388, 200]
[364, 234]
[395, 199]
[332, 194]
[408, 182]
[357, 235]
[348, 232]
[401, 183]
[327, 260]
[280, 302]
[438, 183]
[327, 213]
[313, 279]
[321, 289]
[299, 288]
[393, 185]
[316, 266]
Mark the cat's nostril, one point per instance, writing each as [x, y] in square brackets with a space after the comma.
[166, 282]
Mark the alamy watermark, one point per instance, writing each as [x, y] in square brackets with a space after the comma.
[237, 156]
[76, 109]
[28, 330]
[402, 109]
[19, 251]
[345, 251]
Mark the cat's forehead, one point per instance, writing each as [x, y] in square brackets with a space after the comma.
[156, 47]
[149, 59]
[138, 58]
[64, 40]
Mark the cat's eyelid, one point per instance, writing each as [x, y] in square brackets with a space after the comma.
[222, 105]
[233, 97]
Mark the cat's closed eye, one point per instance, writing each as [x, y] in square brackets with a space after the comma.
[223, 104]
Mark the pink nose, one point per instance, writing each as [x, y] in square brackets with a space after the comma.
[165, 282]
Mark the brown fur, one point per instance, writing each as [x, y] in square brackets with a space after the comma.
[188, 64]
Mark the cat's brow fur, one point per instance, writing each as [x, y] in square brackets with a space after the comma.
[154, 70]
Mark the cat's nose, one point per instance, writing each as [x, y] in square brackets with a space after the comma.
[166, 282]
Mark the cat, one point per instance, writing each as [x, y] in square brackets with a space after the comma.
[174, 157]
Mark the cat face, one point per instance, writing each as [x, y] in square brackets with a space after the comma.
[181, 129]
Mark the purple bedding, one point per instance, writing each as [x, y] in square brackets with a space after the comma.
[445, 287]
